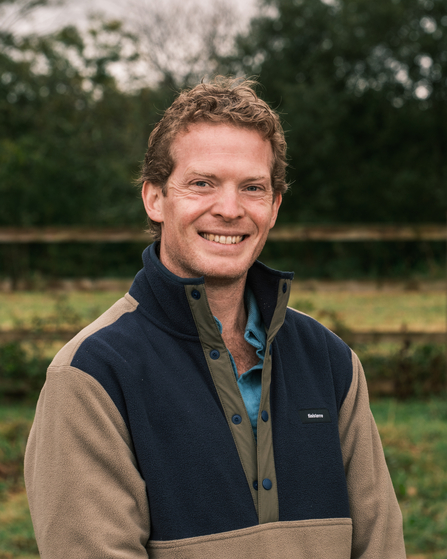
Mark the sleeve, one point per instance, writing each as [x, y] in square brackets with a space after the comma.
[87, 498]
[375, 512]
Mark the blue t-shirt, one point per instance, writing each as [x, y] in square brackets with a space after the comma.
[250, 382]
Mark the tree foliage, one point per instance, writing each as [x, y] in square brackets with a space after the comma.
[71, 140]
[362, 88]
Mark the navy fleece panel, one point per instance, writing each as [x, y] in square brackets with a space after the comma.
[152, 365]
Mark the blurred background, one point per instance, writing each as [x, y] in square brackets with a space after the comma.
[361, 88]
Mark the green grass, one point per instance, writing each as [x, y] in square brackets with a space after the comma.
[424, 311]
[38, 311]
[16, 531]
[22, 307]
[15, 422]
[418, 311]
[414, 435]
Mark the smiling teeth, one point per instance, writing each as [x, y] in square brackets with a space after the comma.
[222, 239]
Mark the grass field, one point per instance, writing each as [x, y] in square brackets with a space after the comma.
[414, 435]
[23, 306]
[418, 311]
[425, 312]
[16, 531]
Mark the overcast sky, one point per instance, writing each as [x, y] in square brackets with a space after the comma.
[171, 43]
[77, 12]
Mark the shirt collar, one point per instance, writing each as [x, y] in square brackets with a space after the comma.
[254, 330]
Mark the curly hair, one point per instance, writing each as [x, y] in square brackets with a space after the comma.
[224, 100]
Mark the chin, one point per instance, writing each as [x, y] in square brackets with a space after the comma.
[223, 276]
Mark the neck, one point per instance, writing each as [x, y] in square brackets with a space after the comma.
[227, 304]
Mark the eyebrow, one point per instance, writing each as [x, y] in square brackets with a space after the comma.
[259, 178]
[202, 173]
[213, 176]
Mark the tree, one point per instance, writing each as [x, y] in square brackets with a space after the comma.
[362, 88]
[179, 42]
[70, 140]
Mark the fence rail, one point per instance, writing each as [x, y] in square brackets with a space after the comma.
[338, 232]
[353, 233]
[64, 335]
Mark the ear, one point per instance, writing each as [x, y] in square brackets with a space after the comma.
[276, 203]
[151, 195]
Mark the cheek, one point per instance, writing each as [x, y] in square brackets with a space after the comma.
[186, 214]
[172, 214]
[266, 215]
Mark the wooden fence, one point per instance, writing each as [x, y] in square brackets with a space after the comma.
[338, 232]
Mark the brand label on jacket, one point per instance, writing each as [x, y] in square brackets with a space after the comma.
[315, 416]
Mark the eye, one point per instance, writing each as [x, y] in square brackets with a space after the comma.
[201, 183]
[256, 189]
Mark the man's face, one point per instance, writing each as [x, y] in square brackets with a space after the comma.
[219, 205]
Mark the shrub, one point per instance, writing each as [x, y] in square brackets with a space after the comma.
[412, 371]
[22, 371]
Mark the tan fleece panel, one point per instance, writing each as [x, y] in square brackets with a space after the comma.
[305, 539]
[376, 516]
[87, 498]
[122, 306]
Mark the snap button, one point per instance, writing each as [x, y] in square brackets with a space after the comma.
[284, 287]
[236, 419]
[195, 294]
[214, 354]
[267, 484]
[264, 416]
[255, 484]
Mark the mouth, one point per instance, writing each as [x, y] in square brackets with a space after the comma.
[223, 239]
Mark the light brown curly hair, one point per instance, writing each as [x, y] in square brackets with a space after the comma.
[224, 100]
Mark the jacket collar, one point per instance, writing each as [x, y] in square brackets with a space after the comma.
[162, 296]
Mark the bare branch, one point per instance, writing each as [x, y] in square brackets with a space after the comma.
[13, 12]
[181, 42]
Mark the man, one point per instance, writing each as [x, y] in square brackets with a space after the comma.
[200, 417]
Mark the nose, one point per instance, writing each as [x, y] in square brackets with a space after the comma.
[228, 203]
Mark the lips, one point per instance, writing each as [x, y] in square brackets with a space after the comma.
[223, 239]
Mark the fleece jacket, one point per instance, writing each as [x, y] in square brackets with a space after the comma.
[142, 446]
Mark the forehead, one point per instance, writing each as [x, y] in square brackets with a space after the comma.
[205, 141]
